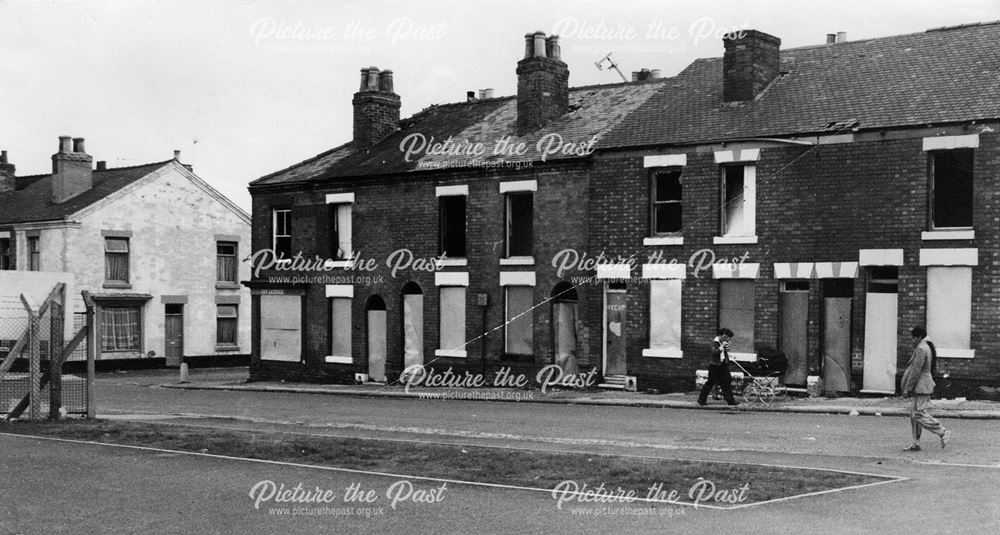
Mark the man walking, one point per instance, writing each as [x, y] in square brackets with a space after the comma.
[918, 384]
[718, 369]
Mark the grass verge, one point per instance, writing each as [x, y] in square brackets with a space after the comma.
[730, 483]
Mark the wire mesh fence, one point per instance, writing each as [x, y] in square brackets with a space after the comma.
[45, 339]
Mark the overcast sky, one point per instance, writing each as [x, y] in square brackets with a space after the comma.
[248, 87]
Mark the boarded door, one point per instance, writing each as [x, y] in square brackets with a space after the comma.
[881, 309]
[837, 307]
[614, 331]
[376, 345]
[174, 334]
[281, 327]
[413, 329]
[794, 330]
[564, 315]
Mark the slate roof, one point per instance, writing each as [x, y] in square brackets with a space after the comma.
[34, 202]
[938, 76]
[594, 110]
[944, 75]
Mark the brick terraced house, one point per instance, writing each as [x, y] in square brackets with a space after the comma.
[156, 246]
[818, 201]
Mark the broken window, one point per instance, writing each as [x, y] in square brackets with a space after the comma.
[951, 188]
[736, 312]
[666, 198]
[883, 279]
[738, 208]
[519, 238]
[226, 318]
[452, 328]
[452, 226]
[517, 335]
[116, 252]
[340, 231]
[282, 233]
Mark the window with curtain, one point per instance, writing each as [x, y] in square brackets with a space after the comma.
[225, 261]
[121, 329]
[340, 231]
[116, 252]
[227, 317]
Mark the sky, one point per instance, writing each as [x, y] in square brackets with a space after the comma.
[244, 88]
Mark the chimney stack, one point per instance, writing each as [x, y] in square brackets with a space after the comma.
[7, 182]
[72, 171]
[752, 61]
[376, 108]
[542, 83]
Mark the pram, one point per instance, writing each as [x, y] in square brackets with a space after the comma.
[762, 380]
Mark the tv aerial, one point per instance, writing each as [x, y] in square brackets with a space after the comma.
[611, 65]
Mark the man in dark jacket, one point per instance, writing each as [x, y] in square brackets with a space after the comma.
[718, 369]
[918, 384]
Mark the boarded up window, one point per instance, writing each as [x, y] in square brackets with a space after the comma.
[736, 312]
[520, 239]
[281, 327]
[951, 188]
[340, 327]
[949, 307]
[665, 315]
[340, 231]
[452, 221]
[667, 201]
[452, 318]
[518, 316]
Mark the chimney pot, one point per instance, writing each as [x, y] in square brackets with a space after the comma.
[102, 165]
[373, 75]
[65, 144]
[529, 45]
[552, 48]
[655, 73]
[385, 81]
[831, 38]
[540, 44]
[470, 96]
[841, 37]
[177, 155]
[364, 80]
[488, 93]
[3, 156]
[78, 145]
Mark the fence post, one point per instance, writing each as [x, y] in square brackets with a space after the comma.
[57, 327]
[91, 352]
[34, 358]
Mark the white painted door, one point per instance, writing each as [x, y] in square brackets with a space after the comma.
[880, 342]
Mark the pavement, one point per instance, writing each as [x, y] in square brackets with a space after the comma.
[237, 379]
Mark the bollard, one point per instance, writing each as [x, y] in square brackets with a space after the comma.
[184, 373]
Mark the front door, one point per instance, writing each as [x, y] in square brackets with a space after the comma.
[837, 304]
[376, 345]
[413, 329]
[174, 334]
[614, 329]
[881, 309]
[794, 330]
[564, 325]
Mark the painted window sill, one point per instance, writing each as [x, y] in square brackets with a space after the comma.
[227, 286]
[518, 261]
[339, 360]
[946, 353]
[117, 285]
[934, 235]
[664, 240]
[226, 348]
[724, 240]
[453, 262]
[663, 353]
[454, 353]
